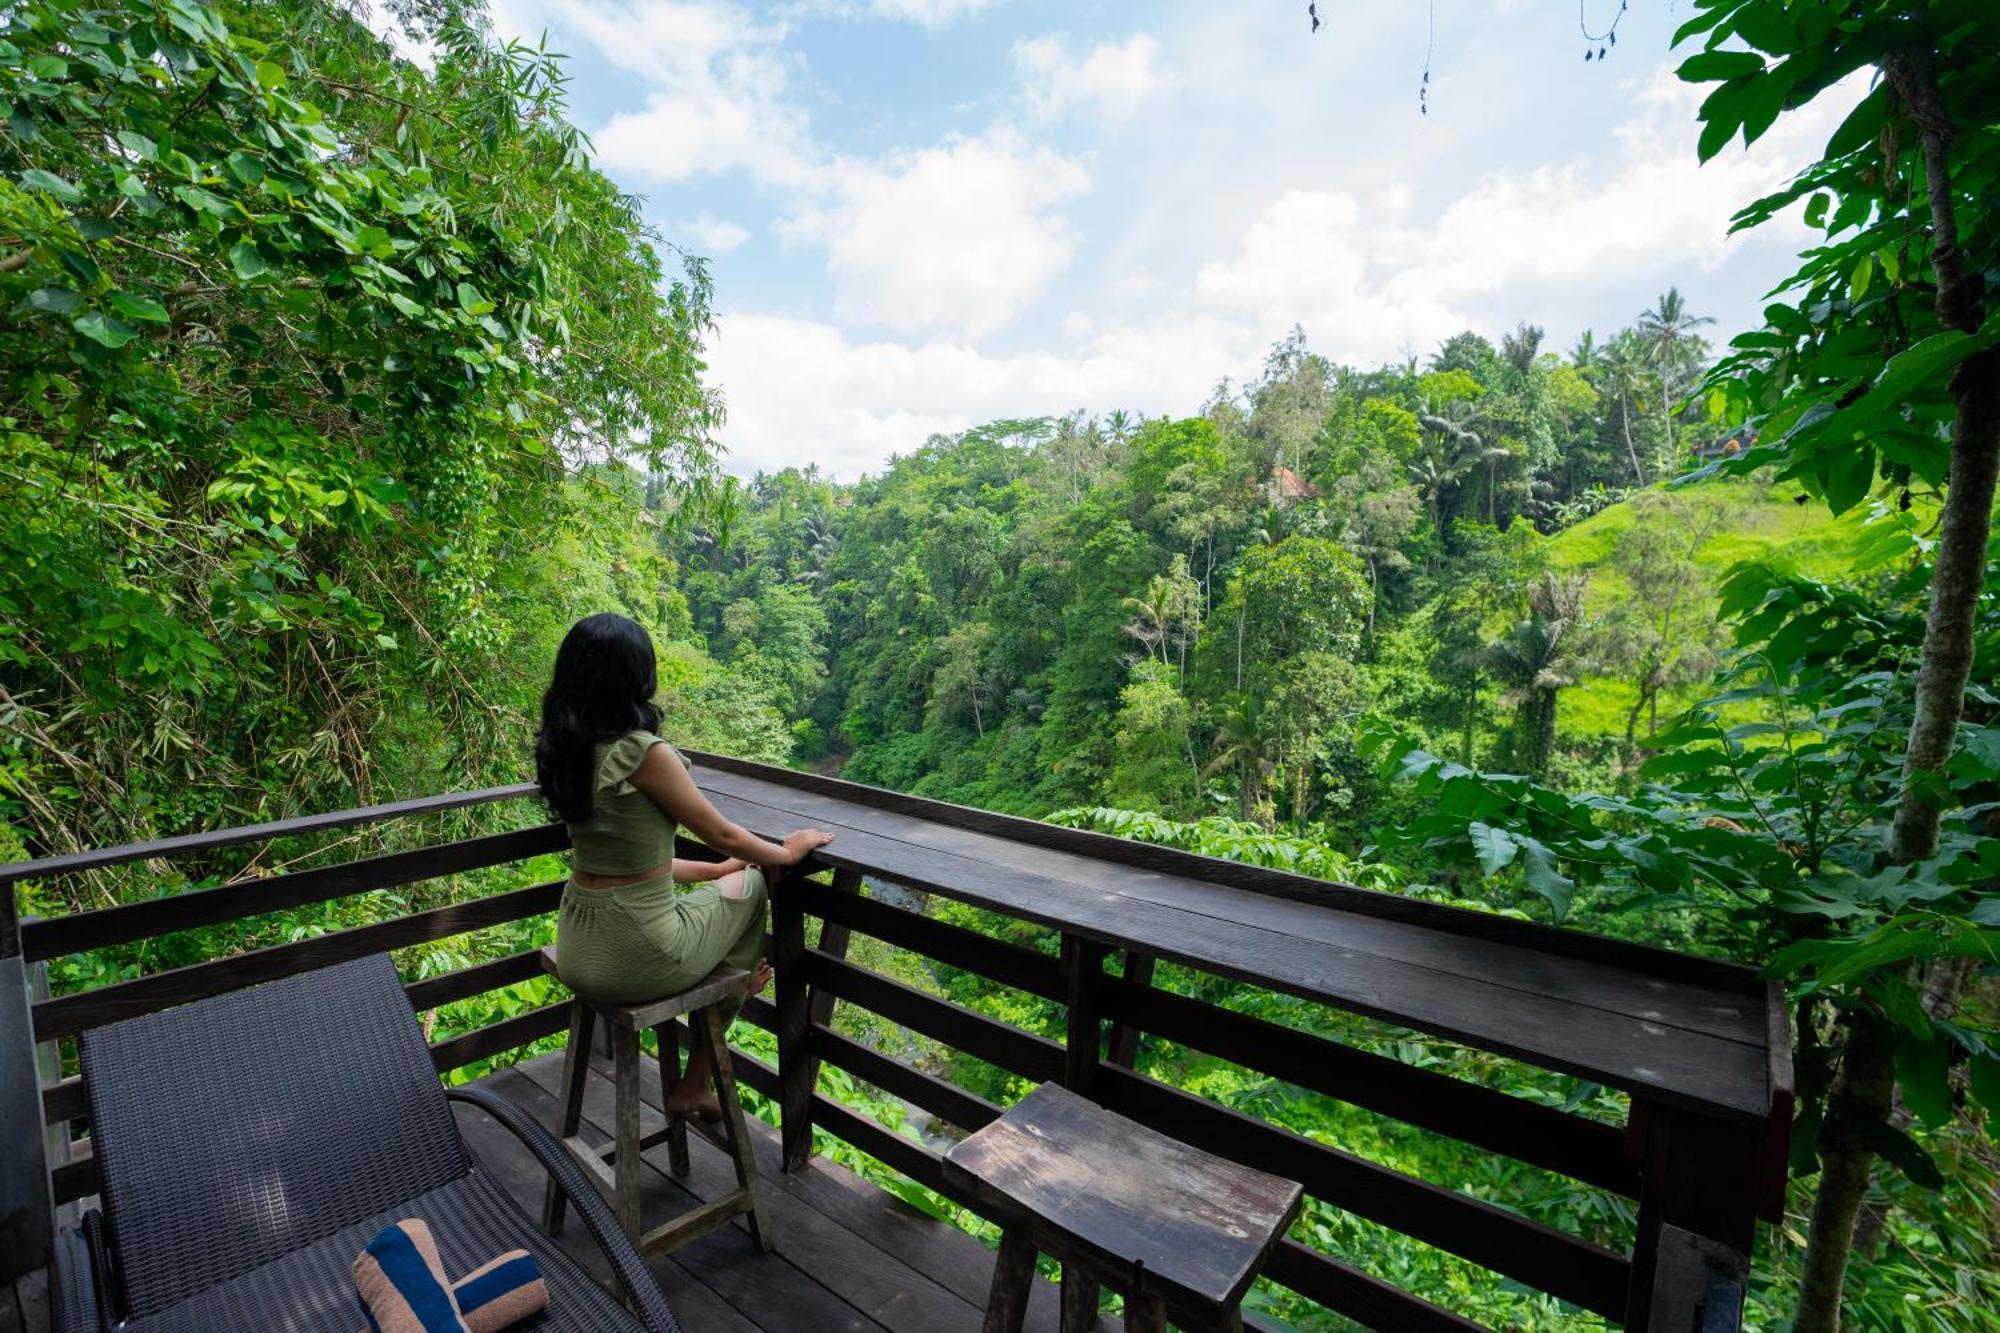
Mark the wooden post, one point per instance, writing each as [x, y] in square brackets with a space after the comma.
[667, 1036]
[796, 1071]
[1697, 1215]
[1145, 1314]
[576, 1072]
[27, 1203]
[833, 941]
[628, 1169]
[1124, 1044]
[1013, 1279]
[1083, 982]
[1080, 1297]
[708, 1030]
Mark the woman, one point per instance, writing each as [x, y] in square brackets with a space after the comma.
[627, 932]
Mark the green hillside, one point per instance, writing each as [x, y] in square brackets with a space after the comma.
[1751, 521]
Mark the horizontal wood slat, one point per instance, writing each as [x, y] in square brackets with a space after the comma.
[483, 1043]
[1009, 964]
[74, 1179]
[71, 863]
[988, 1039]
[465, 982]
[69, 1014]
[65, 1100]
[1367, 1300]
[1554, 1261]
[56, 936]
[943, 1099]
[1584, 1150]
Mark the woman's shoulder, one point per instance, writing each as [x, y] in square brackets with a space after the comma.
[620, 757]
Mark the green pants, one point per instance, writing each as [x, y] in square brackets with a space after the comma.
[650, 940]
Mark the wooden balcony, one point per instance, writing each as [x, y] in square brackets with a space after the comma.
[1699, 1047]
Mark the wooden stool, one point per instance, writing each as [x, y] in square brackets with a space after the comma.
[1173, 1229]
[617, 1170]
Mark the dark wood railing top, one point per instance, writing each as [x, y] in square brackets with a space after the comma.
[1669, 1027]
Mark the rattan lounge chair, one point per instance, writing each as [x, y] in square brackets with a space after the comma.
[249, 1145]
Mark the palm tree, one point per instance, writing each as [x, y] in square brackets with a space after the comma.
[1432, 472]
[1622, 374]
[821, 543]
[1584, 355]
[1538, 657]
[1520, 348]
[1457, 448]
[1668, 330]
[1239, 740]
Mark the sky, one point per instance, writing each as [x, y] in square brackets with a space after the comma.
[924, 214]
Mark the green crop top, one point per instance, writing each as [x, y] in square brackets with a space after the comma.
[626, 833]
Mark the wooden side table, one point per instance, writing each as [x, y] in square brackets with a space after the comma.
[1176, 1231]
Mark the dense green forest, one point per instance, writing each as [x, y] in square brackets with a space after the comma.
[336, 388]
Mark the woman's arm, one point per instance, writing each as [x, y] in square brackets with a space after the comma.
[664, 778]
[687, 871]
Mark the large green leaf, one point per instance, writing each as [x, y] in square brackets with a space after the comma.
[1710, 66]
[34, 178]
[1494, 848]
[1923, 1068]
[1985, 1084]
[247, 260]
[133, 306]
[1898, 1149]
[104, 329]
[1545, 879]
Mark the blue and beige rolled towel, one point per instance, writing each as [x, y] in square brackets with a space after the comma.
[403, 1288]
[502, 1293]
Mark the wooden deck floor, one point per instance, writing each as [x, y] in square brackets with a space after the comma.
[851, 1258]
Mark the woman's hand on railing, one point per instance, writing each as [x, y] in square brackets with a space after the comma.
[801, 843]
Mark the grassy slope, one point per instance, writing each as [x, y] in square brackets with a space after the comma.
[1762, 523]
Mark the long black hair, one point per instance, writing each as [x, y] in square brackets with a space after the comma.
[603, 688]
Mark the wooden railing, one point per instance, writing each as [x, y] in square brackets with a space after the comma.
[1700, 1182]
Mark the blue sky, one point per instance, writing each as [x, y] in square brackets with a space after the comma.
[926, 213]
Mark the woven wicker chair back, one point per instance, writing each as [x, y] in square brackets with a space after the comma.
[239, 1128]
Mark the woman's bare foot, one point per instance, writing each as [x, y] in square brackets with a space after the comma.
[690, 1098]
[760, 976]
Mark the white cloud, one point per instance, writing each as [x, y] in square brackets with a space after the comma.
[1113, 80]
[929, 13]
[799, 389]
[715, 236]
[1372, 281]
[959, 237]
[719, 86]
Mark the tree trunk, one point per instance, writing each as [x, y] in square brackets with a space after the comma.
[1242, 611]
[1956, 583]
[1667, 415]
[1860, 1098]
[1631, 452]
[1632, 719]
[1867, 1071]
[1946, 663]
[1545, 731]
[1374, 591]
